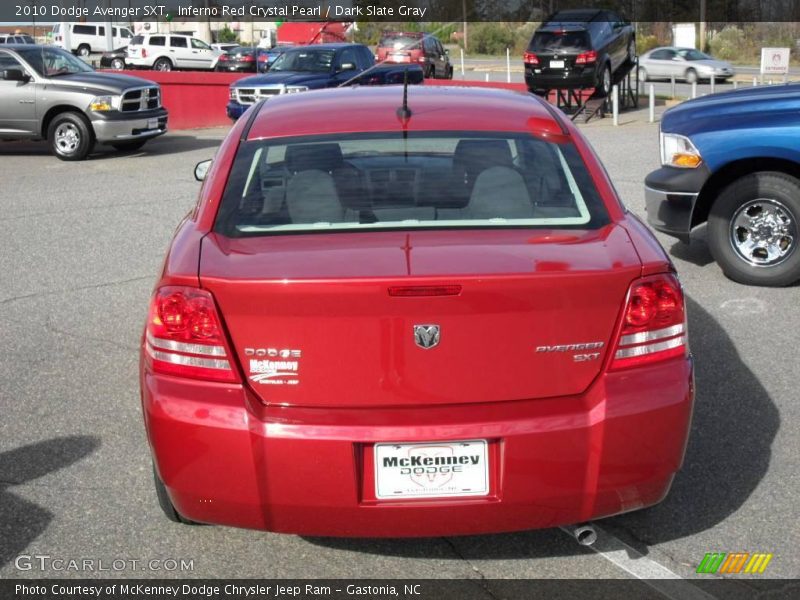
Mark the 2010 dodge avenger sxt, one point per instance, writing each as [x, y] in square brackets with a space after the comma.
[432, 318]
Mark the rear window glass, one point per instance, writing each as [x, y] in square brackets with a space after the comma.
[399, 41]
[427, 180]
[137, 40]
[309, 61]
[569, 40]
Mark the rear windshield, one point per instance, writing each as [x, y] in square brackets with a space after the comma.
[568, 40]
[137, 40]
[399, 41]
[426, 180]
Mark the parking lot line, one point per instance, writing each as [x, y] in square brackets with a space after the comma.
[660, 578]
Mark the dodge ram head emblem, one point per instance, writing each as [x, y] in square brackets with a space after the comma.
[426, 336]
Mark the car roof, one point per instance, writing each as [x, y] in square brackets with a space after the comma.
[578, 15]
[328, 46]
[374, 109]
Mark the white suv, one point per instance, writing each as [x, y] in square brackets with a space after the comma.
[165, 51]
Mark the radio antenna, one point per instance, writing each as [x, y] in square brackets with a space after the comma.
[404, 112]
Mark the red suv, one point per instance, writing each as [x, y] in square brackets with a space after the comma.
[417, 48]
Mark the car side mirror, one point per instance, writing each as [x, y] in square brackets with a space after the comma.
[15, 75]
[346, 67]
[201, 169]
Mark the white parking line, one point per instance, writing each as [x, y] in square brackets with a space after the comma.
[630, 560]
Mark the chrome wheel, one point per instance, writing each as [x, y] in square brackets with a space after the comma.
[118, 64]
[763, 232]
[67, 138]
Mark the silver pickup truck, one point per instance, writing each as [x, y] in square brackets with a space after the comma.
[47, 93]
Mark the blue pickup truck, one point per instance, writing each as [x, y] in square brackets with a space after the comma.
[304, 68]
[732, 160]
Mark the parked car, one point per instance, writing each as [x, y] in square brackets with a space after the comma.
[241, 59]
[267, 56]
[731, 160]
[17, 38]
[303, 68]
[47, 93]
[579, 49]
[319, 356]
[225, 46]
[114, 59]
[687, 64]
[165, 52]
[85, 38]
[418, 48]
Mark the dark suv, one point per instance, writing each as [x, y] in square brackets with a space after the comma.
[579, 49]
[418, 48]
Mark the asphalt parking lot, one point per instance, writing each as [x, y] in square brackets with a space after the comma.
[83, 245]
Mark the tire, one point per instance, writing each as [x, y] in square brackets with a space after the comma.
[632, 50]
[449, 72]
[84, 50]
[642, 74]
[433, 72]
[165, 503]
[753, 229]
[162, 64]
[604, 83]
[690, 76]
[131, 146]
[70, 136]
[118, 64]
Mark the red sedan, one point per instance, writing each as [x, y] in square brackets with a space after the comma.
[432, 319]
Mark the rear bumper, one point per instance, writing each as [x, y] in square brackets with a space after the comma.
[227, 459]
[118, 126]
[586, 78]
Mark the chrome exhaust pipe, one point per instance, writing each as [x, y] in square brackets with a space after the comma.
[585, 534]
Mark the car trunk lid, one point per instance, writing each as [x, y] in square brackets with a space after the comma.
[313, 322]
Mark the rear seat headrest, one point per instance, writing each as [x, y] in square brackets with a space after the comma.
[322, 157]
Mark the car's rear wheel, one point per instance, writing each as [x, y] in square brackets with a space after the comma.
[70, 136]
[642, 74]
[690, 76]
[449, 72]
[118, 64]
[165, 503]
[162, 64]
[129, 146]
[632, 50]
[604, 85]
[753, 229]
[84, 50]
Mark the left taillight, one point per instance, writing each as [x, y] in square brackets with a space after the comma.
[530, 58]
[654, 323]
[185, 336]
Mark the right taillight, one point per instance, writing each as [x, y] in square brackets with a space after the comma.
[530, 58]
[184, 336]
[144, 53]
[653, 323]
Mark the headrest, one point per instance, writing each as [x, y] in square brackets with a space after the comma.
[322, 157]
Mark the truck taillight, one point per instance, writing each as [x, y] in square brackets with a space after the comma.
[586, 57]
[530, 58]
[144, 53]
[184, 336]
[654, 323]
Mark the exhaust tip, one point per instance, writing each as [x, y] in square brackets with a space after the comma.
[585, 535]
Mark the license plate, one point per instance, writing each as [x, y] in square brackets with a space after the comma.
[556, 64]
[431, 470]
[152, 123]
[400, 57]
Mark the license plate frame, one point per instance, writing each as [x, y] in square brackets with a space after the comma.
[452, 476]
[557, 64]
[152, 123]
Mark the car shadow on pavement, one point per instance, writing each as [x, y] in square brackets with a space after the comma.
[22, 521]
[734, 424]
[168, 144]
[696, 252]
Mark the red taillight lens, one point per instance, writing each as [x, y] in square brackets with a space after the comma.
[263, 58]
[184, 336]
[144, 53]
[247, 58]
[586, 57]
[530, 58]
[223, 58]
[654, 323]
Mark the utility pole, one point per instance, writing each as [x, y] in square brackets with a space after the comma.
[702, 25]
[464, 12]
